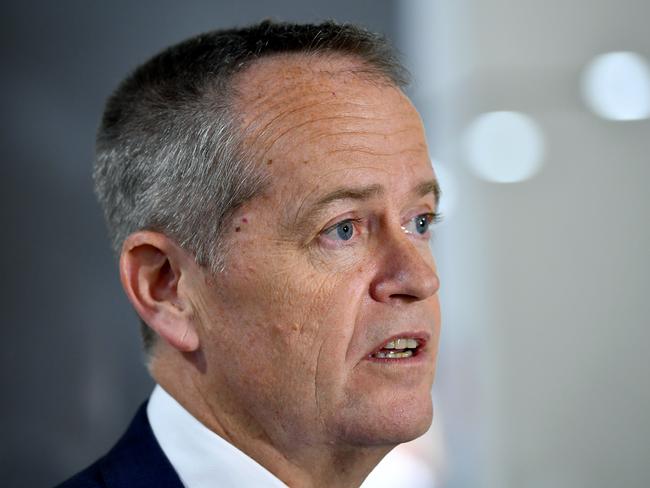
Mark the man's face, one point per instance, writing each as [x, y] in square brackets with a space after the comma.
[328, 266]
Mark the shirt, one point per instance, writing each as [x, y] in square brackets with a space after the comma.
[201, 458]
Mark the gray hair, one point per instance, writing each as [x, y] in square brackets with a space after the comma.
[170, 155]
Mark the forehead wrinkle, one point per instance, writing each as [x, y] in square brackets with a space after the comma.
[256, 99]
[273, 138]
[262, 109]
[272, 102]
[262, 119]
[321, 135]
[280, 115]
[263, 131]
[340, 146]
[370, 152]
[359, 132]
[360, 126]
[267, 138]
[367, 132]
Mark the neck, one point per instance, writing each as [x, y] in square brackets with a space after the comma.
[297, 462]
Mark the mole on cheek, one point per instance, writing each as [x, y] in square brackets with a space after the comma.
[237, 229]
[295, 327]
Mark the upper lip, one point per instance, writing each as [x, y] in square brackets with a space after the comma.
[420, 336]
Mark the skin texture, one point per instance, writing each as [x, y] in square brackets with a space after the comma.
[272, 353]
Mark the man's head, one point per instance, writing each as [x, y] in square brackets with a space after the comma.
[304, 174]
[170, 150]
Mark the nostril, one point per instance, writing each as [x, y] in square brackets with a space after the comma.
[404, 297]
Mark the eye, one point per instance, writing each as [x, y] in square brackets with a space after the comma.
[420, 223]
[343, 230]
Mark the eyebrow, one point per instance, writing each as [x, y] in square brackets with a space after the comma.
[362, 194]
[431, 186]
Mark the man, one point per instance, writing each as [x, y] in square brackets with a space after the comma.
[270, 196]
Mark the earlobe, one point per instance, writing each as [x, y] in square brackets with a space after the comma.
[181, 336]
[151, 266]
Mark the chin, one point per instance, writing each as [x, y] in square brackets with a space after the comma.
[393, 422]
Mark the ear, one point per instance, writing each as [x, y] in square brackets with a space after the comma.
[151, 268]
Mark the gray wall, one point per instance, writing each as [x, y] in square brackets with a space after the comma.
[543, 380]
[71, 368]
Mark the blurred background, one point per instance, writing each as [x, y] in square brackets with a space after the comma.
[537, 119]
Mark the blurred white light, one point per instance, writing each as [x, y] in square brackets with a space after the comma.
[616, 86]
[504, 147]
[448, 186]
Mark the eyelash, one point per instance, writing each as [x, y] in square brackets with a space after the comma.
[433, 218]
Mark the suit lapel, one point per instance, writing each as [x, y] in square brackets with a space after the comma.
[137, 461]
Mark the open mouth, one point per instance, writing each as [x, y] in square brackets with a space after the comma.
[398, 348]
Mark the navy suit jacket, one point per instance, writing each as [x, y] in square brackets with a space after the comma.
[136, 461]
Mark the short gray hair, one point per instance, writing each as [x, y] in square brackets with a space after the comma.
[170, 155]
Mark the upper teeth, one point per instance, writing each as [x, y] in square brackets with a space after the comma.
[402, 344]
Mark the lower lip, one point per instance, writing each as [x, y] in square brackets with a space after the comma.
[418, 357]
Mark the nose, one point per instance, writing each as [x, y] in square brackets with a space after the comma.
[405, 273]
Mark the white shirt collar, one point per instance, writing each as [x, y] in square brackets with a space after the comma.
[201, 458]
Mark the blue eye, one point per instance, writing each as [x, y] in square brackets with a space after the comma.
[344, 230]
[420, 224]
[341, 231]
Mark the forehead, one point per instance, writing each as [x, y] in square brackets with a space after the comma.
[316, 118]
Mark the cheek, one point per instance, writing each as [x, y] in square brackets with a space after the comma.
[309, 314]
[289, 311]
[280, 308]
